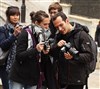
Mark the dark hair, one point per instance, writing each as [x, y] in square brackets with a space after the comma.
[61, 14]
[40, 15]
[32, 15]
[12, 10]
[54, 6]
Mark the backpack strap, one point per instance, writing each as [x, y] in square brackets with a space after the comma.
[32, 36]
[77, 43]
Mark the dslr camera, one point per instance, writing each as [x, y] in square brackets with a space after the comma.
[47, 43]
[68, 48]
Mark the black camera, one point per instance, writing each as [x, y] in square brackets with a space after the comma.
[43, 36]
[68, 48]
[48, 43]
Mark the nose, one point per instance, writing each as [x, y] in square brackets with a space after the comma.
[15, 17]
[60, 28]
[52, 14]
[46, 26]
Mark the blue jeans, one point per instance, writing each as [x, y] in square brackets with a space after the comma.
[16, 85]
[4, 77]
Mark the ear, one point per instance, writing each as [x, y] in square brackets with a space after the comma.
[36, 23]
[67, 21]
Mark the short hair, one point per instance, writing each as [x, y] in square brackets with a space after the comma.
[32, 16]
[61, 14]
[55, 6]
[12, 10]
[40, 15]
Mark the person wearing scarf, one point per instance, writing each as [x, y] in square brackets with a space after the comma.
[8, 36]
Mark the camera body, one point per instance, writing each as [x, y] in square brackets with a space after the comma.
[47, 43]
[68, 48]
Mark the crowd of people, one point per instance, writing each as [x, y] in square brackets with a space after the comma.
[38, 55]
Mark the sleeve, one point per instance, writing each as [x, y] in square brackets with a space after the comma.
[85, 48]
[6, 41]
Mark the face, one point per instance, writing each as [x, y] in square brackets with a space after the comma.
[14, 19]
[61, 25]
[53, 12]
[45, 23]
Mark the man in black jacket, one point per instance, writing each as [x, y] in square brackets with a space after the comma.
[73, 52]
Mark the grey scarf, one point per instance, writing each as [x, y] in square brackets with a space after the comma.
[12, 52]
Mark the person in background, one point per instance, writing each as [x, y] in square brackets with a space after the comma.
[72, 54]
[32, 14]
[97, 34]
[32, 18]
[53, 9]
[8, 36]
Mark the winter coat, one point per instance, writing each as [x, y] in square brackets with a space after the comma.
[47, 64]
[6, 37]
[25, 69]
[73, 72]
[49, 68]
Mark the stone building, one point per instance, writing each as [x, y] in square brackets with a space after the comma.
[89, 8]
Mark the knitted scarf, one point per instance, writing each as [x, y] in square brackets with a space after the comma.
[12, 52]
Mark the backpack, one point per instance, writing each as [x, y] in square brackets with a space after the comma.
[3, 56]
[92, 65]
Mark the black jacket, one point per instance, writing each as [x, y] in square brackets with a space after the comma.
[73, 72]
[52, 29]
[25, 69]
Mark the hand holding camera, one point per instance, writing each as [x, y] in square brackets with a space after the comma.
[40, 47]
[68, 55]
[67, 48]
[17, 30]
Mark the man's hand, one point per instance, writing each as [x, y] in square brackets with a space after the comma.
[68, 56]
[61, 43]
